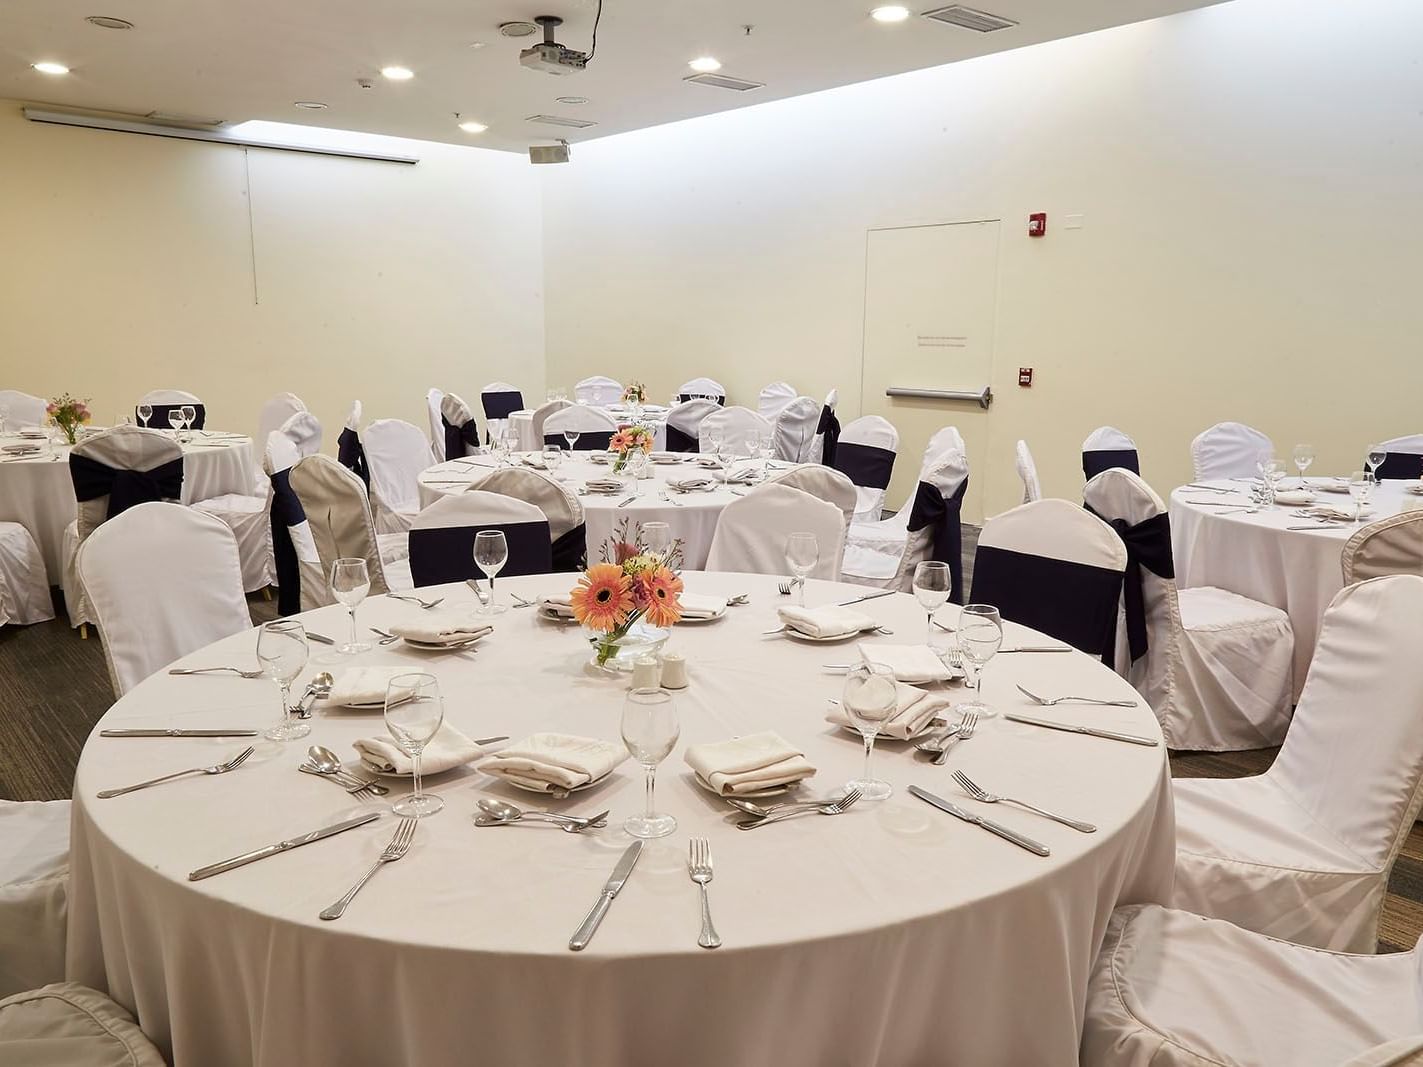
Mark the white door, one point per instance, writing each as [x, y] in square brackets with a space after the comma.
[930, 296]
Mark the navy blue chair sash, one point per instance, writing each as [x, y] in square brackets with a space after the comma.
[125, 488]
[457, 437]
[588, 440]
[931, 508]
[1148, 545]
[446, 553]
[286, 512]
[864, 465]
[570, 552]
[351, 454]
[829, 428]
[501, 405]
[1401, 465]
[1097, 460]
[159, 419]
[677, 441]
[682, 398]
[1073, 602]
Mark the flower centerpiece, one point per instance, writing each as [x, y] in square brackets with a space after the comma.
[629, 600]
[68, 414]
[635, 393]
[629, 441]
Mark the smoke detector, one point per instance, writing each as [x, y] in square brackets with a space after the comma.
[518, 29]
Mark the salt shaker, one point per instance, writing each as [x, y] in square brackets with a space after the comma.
[674, 672]
[646, 673]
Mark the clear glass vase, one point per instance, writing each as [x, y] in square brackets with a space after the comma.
[622, 653]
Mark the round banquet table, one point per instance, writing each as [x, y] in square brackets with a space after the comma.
[891, 934]
[653, 417]
[37, 492]
[1255, 555]
[690, 516]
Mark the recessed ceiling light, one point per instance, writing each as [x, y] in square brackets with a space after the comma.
[108, 22]
[473, 127]
[310, 105]
[397, 74]
[572, 99]
[517, 29]
[476, 44]
[705, 64]
[889, 13]
[47, 67]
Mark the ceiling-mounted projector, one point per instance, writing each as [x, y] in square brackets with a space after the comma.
[550, 56]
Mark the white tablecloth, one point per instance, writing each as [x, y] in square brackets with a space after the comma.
[654, 418]
[893, 934]
[1297, 571]
[692, 517]
[38, 494]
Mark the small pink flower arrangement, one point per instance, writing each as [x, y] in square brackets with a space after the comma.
[635, 393]
[626, 441]
[68, 414]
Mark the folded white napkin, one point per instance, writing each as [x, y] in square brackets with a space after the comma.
[748, 764]
[915, 709]
[825, 622]
[20, 449]
[602, 485]
[749, 476]
[535, 460]
[555, 761]
[696, 606]
[910, 663]
[441, 628]
[667, 457]
[1329, 511]
[1294, 496]
[363, 685]
[446, 750]
[596, 457]
[560, 604]
[690, 483]
[709, 462]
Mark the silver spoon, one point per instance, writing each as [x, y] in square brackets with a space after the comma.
[426, 604]
[327, 762]
[386, 638]
[835, 807]
[503, 812]
[316, 689]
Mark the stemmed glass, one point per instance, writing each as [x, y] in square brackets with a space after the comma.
[1303, 457]
[1377, 455]
[1360, 482]
[350, 582]
[932, 583]
[571, 436]
[870, 699]
[1275, 474]
[491, 552]
[145, 412]
[175, 420]
[657, 536]
[802, 554]
[413, 714]
[650, 731]
[282, 651]
[980, 635]
[190, 416]
[553, 456]
[717, 440]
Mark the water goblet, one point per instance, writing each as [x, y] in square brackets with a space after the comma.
[657, 537]
[980, 635]
[1303, 457]
[145, 412]
[802, 555]
[491, 552]
[350, 582]
[571, 436]
[650, 732]
[932, 584]
[870, 699]
[414, 712]
[1374, 460]
[282, 651]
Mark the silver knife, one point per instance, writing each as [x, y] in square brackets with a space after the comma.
[988, 824]
[1038, 648]
[862, 599]
[1110, 735]
[282, 846]
[611, 888]
[177, 733]
[320, 639]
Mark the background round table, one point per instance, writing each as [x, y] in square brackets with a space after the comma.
[653, 416]
[691, 516]
[892, 934]
[38, 494]
[1255, 555]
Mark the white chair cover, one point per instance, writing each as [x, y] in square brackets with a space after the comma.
[558, 503]
[276, 412]
[353, 417]
[1108, 447]
[1028, 472]
[438, 556]
[1390, 546]
[598, 390]
[541, 414]
[1217, 669]
[1175, 990]
[433, 398]
[752, 530]
[774, 398]
[34, 870]
[304, 431]
[66, 1024]
[869, 470]
[823, 483]
[1405, 458]
[1303, 851]
[1229, 450]
[24, 586]
[592, 423]
[20, 410]
[458, 427]
[396, 453]
[684, 424]
[133, 568]
[168, 398]
[794, 429]
[737, 425]
[702, 389]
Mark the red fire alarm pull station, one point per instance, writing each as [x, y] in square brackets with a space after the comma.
[1037, 224]
[1025, 377]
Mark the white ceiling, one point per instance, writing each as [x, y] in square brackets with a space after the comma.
[253, 59]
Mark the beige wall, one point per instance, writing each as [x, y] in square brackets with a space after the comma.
[1249, 175]
[129, 264]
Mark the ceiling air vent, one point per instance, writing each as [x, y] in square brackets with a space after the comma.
[559, 120]
[723, 81]
[969, 18]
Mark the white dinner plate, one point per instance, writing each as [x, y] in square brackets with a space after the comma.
[797, 635]
[550, 615]
[1416, 490]
[933, 724]
[557, 794]
[720, 613]
[773, 791]
[444, 646]
[666, 460]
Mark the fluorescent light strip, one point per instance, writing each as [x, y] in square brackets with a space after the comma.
[96, 122]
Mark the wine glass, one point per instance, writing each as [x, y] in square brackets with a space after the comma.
[1274, 477]
[1303, 457]
[715, 439]
[350, 582]
[802, 554]
[932, 583]
[282, 651]
[650, 732]
[657, 536]
[145, 412]
[980, 635]
[190, 416]
[1377, 454]
[571, 436]
[491, 552]
[175, 420]
[413, 715]
[870, 699]
[553, 456]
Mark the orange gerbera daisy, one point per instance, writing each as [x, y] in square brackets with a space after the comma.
[602, 598]
[621, 441]
[662, 588]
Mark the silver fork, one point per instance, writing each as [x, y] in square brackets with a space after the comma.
[386, 638]
[426, 604]
[979, 793]
[786, 587]
[835, 807]
[964, 732]
[219, 768]
[1048, 702]
[670, 500]
[398, 847]
[520, 602]
[350, 783]
[699, 866]
[216, 670]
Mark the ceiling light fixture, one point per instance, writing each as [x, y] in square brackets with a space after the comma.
[473, 127]
[705, 64]
[571, 99]
[890, 13]
[47, 67]
[310, 105]
[108, 22]
[518, 29]
[397, 74]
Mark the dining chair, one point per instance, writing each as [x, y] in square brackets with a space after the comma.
[20, 410]
[500, 400]
[275, 413]
[594, 426]
[684, 422]
[1171, 989]
[794, 430]
[558, 504]
[396, 453]
[1403, 459]
[442, 537]
[866, 451]
[349, 450]
[540, 417]
[1229, 450]
[598, 390]
[162, 581]
[751, 532]
[1107, 447]
[736, 426]
[1389, 546]
[1215, 666]
[823, 483]
[1027, 473]
[34, 876]
[827, 433]
[294, 556]
[433, 397]
[457, 424]
[773, 400]
[162, 401]
[702, 389]
[1303, 851]
[24, 584]
[65, 1023]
